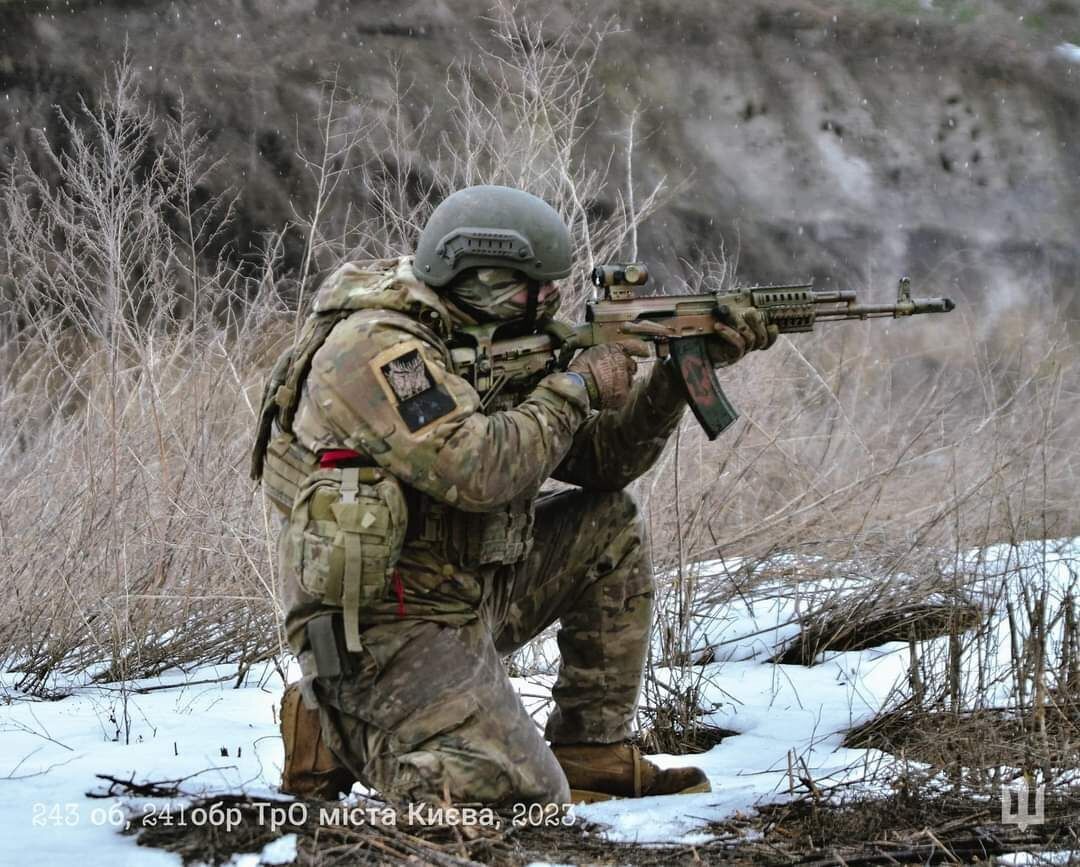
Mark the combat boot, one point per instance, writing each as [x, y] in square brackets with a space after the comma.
[310, 771]
[600, 772]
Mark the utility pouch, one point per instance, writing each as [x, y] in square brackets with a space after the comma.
[474, 539]
[286, 465]
[326, 639]
[348, 526]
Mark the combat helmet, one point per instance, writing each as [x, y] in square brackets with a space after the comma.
[493, 227]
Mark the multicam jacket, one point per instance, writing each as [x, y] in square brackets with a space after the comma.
[382, 385]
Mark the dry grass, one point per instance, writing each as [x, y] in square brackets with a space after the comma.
[132, 540]
[899, 828]
[902, 828]
[871, 458]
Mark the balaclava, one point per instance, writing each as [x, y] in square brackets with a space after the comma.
[485, 294]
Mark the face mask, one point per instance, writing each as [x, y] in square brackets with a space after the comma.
[488, 293]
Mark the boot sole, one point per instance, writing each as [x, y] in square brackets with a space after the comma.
[587, 796]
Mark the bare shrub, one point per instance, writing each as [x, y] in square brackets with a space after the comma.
[867, 468]
[129, 532]
[133, 539]
[516, 113]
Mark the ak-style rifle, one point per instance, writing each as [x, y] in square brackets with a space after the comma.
[676, 326]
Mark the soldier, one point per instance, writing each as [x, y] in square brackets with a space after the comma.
[417, 550]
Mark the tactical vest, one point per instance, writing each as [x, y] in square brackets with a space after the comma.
[287, 468]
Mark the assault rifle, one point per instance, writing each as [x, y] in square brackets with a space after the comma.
[676, 325]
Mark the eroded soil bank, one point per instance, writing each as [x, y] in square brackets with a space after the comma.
[849, 141]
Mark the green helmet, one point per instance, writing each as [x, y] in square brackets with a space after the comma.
[493, 227]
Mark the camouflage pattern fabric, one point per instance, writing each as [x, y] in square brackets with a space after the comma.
[429, 704]
[491, 292]
[430, 710]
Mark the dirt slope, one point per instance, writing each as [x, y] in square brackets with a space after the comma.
[846, 141]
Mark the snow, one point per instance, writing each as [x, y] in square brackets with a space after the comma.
[741, 631]
[760, 627]
[199, 727]
[279, 851]
[1069, 51]
[52, 751]
[1032, 858]
[782, 713]
[1013, 574]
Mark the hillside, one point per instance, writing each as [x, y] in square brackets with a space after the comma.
[846, 141]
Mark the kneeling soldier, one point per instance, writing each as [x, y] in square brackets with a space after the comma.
[417, 551]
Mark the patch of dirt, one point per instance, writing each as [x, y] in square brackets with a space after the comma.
[322, 843]
[906, 828]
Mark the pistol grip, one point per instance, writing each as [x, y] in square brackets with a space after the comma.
[707, 399]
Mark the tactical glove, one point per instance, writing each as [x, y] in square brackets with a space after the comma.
[608, 371]
[744, 332]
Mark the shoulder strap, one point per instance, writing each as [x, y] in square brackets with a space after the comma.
[281, 394]
[268, 411]
[316, 330]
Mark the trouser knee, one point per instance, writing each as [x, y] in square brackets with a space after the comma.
[625, 557]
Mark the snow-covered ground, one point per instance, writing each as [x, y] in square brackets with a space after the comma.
[785, 716]
[192, 725]
[1069, 51]
[1033, 859]
[199, 728]
[223, 739]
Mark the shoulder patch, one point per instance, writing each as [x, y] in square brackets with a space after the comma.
[413, 385]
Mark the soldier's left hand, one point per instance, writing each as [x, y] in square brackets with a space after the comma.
[746, 332]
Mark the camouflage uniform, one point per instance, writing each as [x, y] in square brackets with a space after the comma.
[425, 709]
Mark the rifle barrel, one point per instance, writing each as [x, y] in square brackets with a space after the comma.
[874, 311]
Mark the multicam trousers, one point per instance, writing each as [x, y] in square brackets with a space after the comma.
[427, 710]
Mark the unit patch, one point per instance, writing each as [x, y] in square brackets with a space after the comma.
[414, 386]
[407, 375]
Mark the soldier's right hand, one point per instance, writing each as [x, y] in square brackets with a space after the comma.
[608, 371]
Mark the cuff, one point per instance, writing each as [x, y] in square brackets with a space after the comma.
[570, 386]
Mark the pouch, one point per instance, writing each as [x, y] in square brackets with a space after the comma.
[286, 465]
[348, 526]
[493, 538]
